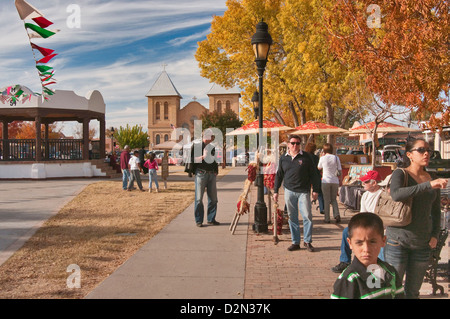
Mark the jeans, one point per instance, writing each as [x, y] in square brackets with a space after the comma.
[125, 178]
[346, 252]
[135, 176]
[296, 202]
[152, 177]
[205, 180]
[410, 262]
[329, 197]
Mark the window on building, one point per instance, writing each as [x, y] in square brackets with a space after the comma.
[158, 139]
[158, 110]
[228, 105]
[219, 106]
[166, 110]
[166, 137]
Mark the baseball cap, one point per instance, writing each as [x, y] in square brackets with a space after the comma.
[370, 175]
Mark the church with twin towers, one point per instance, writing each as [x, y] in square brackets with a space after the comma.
[165, 111]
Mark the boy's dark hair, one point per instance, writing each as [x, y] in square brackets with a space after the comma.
[365, 220]
[136, 152]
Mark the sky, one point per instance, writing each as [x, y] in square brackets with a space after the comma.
[116, 47]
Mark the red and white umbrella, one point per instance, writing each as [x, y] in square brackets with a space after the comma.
[313, 127]
[253, 128]
[384, 127]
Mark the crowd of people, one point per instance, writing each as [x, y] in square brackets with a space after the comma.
[384, 257]
[388, 262]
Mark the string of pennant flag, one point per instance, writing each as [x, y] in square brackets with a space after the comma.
[38, 29]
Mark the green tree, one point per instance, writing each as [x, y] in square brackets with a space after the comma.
[134, 136]
[221, 121]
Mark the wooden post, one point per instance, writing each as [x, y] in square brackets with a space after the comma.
[38, 122]
[165, 168]
[86, 139]
[5, 150]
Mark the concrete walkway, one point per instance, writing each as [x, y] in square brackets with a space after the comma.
[25, 205]
[187, 262]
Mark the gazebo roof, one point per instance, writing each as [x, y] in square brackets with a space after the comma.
[63, 105]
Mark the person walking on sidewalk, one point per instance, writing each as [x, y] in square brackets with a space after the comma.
[135, 171]
[330, 165]
[205, 170]
[297, 171]
[124, 159]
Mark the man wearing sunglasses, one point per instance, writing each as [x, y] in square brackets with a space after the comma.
[297, 172]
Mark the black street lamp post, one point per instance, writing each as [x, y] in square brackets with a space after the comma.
[261, 42]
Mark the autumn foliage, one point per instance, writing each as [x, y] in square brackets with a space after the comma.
[403, 47]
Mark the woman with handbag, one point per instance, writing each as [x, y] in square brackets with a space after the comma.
[332, 172]
[408, 247]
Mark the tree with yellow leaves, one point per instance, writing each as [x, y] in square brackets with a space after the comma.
[303, 80]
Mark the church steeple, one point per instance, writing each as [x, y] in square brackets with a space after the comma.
[163, 86]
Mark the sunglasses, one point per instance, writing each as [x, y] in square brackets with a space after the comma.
[295, 143]
[367, 182]
[422, 150]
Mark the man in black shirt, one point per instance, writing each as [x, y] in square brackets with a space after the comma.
[206, 170]
[296, 169]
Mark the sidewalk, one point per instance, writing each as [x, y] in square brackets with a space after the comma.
[186, 262]
[25, 205]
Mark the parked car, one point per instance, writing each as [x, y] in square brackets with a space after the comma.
[391, 153]
[341, 151]
[438, 166]
[355, 152]
[241, 160]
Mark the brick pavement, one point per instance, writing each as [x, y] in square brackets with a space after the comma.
[273, 272]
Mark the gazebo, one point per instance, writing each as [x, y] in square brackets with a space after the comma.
[62, 106]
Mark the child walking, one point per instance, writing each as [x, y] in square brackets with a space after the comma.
[152, 166]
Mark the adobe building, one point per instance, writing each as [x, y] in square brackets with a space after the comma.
[165, 112]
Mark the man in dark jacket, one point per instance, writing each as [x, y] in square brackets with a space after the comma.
[296, 170]
[124, 159]
[206, 170]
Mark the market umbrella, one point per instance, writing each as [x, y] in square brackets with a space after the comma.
[253, 128]
[384, 127]
[313, 127]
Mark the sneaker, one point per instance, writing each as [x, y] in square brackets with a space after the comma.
[340, 267]
[308, 246]
[294, 247]
[199, 225]
[214, 223]
[338, 219]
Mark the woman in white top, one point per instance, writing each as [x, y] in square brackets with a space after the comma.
[330, 164]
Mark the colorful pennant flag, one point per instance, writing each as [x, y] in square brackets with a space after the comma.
[44, 51]
[38, 30]
[26, 10]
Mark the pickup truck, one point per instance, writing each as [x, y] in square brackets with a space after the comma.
[439, 166]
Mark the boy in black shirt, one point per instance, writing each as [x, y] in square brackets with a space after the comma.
[367, 277]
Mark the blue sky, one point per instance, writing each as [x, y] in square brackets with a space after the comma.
[119, 49]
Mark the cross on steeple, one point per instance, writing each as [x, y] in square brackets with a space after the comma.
[164, 66]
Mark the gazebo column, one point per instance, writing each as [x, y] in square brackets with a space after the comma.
[47, 146]
[102, 137]
[5, 150]
[38, 123]
[86, 139]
